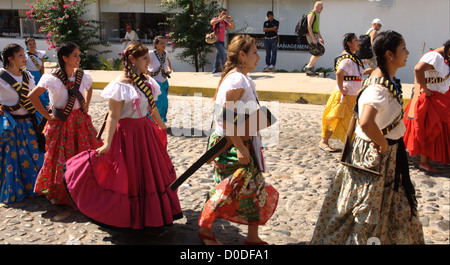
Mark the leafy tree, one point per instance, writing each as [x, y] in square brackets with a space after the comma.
[189, 27]
[62, 21]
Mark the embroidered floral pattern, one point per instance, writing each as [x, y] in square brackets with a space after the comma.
[360, 205]
[64, 140]
[20, 161]
[241, 194]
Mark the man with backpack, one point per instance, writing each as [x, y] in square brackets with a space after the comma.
[365, 48]
[313, 36]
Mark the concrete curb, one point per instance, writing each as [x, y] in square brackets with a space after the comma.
[264, 95]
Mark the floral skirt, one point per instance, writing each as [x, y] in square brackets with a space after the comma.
[65, 139]
[360, 206]
[241, 194]
[20, 158]
[337, 115]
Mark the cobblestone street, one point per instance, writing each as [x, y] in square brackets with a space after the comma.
[298, 169]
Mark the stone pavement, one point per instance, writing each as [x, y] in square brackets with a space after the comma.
[297, 168]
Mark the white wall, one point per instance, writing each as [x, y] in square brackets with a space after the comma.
[417, 20]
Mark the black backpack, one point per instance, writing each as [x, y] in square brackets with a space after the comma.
[302, 26]
[365, 47]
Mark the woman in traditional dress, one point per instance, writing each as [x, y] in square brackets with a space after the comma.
[241, 194]
[69, 130]
[361, 205]
[339, 109]
[35, 65]
[125, 183]
[428, 133]
[160, 69]
[21, 146]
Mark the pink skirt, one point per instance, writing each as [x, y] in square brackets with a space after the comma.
[129, 186]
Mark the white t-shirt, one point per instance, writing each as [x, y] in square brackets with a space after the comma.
[388, 111]
[155, 64]
[57, 91]
[441, 69]
[30, 65]
[351, 69]
[9, 96]
[247, 104]
[131, 36]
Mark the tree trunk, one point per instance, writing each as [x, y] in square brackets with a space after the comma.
[196, 62]
[191, 9]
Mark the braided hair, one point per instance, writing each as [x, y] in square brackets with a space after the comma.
[348, 37]
[385, 41]
[9, 51]
[446, 48]
[136, 50]
[389, 41]
[237, 44]
[66, 49]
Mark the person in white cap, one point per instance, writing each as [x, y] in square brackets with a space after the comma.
[373, 31]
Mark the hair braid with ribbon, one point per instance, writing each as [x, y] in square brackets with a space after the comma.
[135, 50]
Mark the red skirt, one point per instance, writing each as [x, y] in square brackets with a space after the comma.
[429, 132]
[129, 186]
[64, 140]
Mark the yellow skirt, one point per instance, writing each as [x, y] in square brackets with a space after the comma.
[337, 115]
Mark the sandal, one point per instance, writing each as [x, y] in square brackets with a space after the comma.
[205, 237]
[262, 243]
[427, 167]
[327, 148]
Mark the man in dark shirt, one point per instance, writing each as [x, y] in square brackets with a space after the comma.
[270, 29]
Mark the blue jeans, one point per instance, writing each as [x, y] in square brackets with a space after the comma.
[271, 51]
[221, 56]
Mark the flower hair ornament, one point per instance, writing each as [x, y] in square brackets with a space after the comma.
[125, 55]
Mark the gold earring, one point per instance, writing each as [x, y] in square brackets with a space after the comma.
[243, 65]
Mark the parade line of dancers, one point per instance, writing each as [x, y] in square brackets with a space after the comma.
[49, 146]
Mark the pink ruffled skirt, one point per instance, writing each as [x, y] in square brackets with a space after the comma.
[129, 186]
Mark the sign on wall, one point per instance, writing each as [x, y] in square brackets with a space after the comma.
[285, 42]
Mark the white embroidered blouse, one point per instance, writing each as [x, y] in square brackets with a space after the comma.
[57, 91]
[9, 96]
[135, 102]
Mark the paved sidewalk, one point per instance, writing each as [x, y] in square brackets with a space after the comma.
[283, 87]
